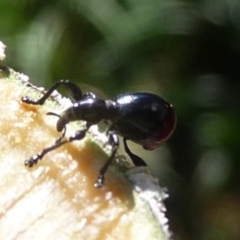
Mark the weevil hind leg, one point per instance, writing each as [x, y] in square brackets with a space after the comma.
[137, 161]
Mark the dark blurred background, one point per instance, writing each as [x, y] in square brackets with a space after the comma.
[186, 51]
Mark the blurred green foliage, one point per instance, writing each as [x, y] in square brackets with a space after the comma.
[186, 51]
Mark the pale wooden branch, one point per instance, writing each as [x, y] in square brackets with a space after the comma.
[56, 199]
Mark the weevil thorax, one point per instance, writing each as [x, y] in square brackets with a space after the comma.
[91, 110]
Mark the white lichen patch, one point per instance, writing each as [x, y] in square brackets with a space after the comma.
[148, 189]
[2, 51]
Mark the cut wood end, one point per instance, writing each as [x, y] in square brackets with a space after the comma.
[56, 199]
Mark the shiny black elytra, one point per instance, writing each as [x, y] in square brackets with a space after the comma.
[144, 118]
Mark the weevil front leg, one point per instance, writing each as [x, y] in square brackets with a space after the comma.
[78, 136]
[74, 89]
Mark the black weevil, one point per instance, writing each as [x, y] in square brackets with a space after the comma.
[144, 118]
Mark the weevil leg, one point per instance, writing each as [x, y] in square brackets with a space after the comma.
[135, 159]
[114, 141]
[34, 159]
[74, 89]
[78, 136]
